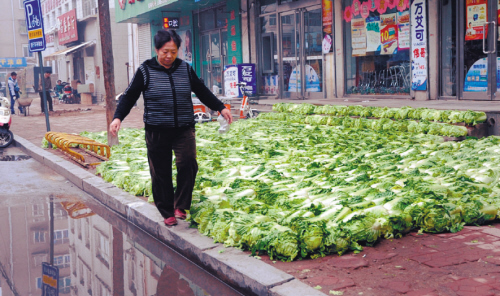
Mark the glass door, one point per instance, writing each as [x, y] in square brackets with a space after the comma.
[313, 53]
[213, 56]
[478, 34]
[301, 53]
[291, 66]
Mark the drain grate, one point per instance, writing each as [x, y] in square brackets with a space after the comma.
[14, 157]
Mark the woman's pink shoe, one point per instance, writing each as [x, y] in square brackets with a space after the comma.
[171, 221]
[181, 214]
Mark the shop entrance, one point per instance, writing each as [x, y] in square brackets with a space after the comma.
[470, 50]
[213, 59]
[300, 50]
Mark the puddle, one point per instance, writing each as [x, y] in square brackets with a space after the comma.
[97, 253]
[14, 157]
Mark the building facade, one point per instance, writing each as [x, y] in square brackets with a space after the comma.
[14, 53]
[328, 49]
[74, 46]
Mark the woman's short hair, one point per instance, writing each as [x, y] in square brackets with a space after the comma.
[164, 36]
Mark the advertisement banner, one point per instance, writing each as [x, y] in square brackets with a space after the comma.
[418, 45]
[358, 35]
[67, 27]
[230, 81]
[404, 30]
[388, 33]
[373, 34]
[476, 79]
[327, 12]
[246, 73]
[477, 15]
[13, 62]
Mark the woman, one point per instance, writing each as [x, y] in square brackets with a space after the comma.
[166, 83]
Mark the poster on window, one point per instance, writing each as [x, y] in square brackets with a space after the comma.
[373, 34]
[186, 51]
[476, 79]
[404, 30]
[388, 33]
[327, 10]
[476, 11]
[358, 35]
[418, 45]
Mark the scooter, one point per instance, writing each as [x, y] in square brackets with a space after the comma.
[6, 136]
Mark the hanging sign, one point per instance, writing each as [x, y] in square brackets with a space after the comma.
[50, 280]
[327, 12]
[477, 15]
[373, 34]
[419, 45]
[388, 33]
[67, 27]
[34, 25]
[404, 30]
[358, 35]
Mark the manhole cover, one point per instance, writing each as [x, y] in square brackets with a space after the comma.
[14, 157]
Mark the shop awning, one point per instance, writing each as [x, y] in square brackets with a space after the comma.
[65, 52]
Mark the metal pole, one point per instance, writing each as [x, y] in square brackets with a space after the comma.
[44, 94]
[51, 230]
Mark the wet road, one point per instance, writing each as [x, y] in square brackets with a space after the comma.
[97, 252]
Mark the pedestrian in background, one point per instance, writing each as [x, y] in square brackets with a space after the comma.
[48, 86]
[14, 92]
[166, 83]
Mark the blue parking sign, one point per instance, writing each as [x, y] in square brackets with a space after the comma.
[50, 280]
[34, 23]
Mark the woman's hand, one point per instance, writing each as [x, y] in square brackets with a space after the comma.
[114, 127]
[227, 115]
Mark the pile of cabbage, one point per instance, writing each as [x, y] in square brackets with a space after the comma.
[295, 190]
[424, 127]
[449, 116]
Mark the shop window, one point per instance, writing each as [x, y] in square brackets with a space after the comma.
[267, 53]
[220, 17]
[269, 56]
[267, 6]
[377, 47]
[26, 52]
[448, 48]
[207, 20]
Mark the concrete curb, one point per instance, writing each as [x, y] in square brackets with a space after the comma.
[230, 265]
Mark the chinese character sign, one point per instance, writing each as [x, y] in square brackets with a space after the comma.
[13, 62]
[67, 27]
[50, 280]
[34, 24]
[230, 81]
[418, 45]
[246, 73]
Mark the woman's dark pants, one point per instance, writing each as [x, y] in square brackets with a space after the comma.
[160, 145]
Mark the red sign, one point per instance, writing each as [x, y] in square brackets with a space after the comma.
[67, 27]
[234, 60]
[233, 30]
[233, 45]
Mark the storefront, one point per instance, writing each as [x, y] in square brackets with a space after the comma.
[210, 32]
[377, 47]
[291, 59]
[469, 49]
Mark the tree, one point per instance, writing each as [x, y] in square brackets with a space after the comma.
[108, 67]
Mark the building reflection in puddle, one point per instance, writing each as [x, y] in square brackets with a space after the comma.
[94, 257]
